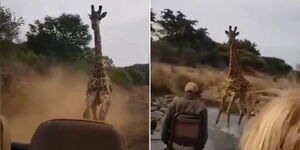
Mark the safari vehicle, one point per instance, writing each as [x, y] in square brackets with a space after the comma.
[68, 134]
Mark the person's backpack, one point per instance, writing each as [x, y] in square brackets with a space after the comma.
[186, 130]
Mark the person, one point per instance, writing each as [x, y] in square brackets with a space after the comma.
[153, 126]
[190, 103]
[276, 126]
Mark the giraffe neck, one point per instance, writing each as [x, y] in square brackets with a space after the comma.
[234, 67]
[98, 45]
[98, 67]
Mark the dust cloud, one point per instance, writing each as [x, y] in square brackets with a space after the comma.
[61, 94]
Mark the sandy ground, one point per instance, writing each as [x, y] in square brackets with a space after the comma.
[61, 94]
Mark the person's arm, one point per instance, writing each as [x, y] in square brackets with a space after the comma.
[205, 125]
[204, 128]
[166, 124]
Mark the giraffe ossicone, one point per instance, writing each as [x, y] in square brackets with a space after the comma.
[99, 87]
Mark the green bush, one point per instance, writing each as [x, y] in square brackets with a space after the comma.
[139, 73]
[164, 52]
[249, 59]
[276, 66]
[137, 77]
[13, 55]
[189, 57]
[120, 76]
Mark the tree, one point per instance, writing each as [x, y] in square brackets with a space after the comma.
[248, 45]
[152, 17]
[61, 39]
[90, 57]
[9, 25]
[181, 32]
[276, 66]
[177, 29]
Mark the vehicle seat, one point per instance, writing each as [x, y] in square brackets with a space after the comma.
[70, 134]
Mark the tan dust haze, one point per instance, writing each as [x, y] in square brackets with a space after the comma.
[61, 94]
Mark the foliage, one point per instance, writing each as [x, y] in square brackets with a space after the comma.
[9, 25]
[139, 73]
[61, 39]
[152, 17]
[276, 66]
[164, 52]
[251, 47]
[57, 41]
[14, 56]
[182, 43]
[120, 76]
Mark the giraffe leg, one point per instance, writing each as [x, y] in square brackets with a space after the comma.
[221, 106]
[90, 97]
[104, 109]
[94, 111]
[242, 108]
[229, 108]
[249, 105]
[86, 114]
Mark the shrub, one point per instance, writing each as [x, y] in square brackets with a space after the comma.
[276, 66]
[120, 76]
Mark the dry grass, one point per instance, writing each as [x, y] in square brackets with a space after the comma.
[175, 77]
[211, 79]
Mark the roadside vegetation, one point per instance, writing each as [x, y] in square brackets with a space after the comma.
[178, 41]
[54, 41]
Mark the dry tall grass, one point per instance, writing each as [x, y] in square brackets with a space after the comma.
[263, 87]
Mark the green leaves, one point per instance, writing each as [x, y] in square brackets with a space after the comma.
[181, 32]
[60, 39]
[182, 43]
[9, 25]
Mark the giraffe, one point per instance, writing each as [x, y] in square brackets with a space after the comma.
[236, 85]
[99, 87]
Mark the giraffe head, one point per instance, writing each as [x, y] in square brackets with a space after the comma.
[96, 16]
[231, 34]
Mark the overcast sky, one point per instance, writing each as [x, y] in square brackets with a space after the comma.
[124, 31]
[274, 25]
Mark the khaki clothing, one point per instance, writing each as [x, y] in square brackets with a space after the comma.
[185, 105]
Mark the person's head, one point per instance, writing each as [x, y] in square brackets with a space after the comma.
[192, 90]
[276, 127]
